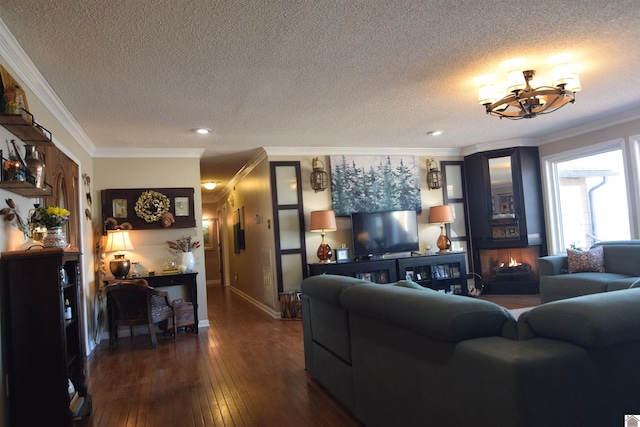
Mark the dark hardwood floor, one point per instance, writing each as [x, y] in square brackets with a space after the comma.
[513, 302]
[247, 369]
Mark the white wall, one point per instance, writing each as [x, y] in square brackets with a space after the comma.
[151, 249]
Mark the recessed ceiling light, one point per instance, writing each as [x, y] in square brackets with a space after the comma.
[203, 131]
[435, 132]
[210, 185]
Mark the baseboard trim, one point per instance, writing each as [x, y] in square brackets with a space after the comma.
[271, 312]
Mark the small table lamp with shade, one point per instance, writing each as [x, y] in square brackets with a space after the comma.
[321, 222]
[119, 241]
[442, 214]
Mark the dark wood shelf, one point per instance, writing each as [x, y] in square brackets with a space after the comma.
[26, 128]
[26, 189]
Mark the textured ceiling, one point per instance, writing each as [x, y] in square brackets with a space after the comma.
[310, 74]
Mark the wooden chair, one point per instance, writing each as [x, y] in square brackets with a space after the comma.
[131, 304]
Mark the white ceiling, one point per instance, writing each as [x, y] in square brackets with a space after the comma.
[312, 74]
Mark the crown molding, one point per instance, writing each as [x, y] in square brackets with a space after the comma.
[359, 151]
[595, 125]
[26, 71]
[497, 145]
[150, 153]
[254, 161]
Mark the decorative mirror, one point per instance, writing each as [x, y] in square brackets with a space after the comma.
[501, 182]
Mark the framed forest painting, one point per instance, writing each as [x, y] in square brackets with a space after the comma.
[374, 184]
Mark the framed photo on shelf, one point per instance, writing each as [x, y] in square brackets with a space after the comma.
[456, 270]
[119, 208]
[342, 255]
[409, 275]
[182, 206]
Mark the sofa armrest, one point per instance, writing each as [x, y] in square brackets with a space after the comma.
[552, 265]
[592, 321]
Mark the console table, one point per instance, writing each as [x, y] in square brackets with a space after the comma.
[184, 279]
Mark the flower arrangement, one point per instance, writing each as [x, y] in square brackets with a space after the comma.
[50, 216]
[183, 244]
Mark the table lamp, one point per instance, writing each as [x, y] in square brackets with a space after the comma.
[442, 214]
[321, 222]
[119, 241]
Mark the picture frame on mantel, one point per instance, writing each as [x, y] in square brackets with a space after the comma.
[144, 208]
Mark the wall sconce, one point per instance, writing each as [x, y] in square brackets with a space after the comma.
[319, 178]
[119, 241]
[434, 176]
[321, 222]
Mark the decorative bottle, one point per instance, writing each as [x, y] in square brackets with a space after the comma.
[67, 310]
[35, 167]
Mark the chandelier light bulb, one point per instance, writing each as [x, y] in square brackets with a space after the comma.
[515, 81]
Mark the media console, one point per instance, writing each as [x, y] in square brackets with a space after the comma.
[446, 272]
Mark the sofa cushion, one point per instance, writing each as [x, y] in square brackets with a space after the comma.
[449, 318]
[598, 320]
[581, 261]
[553, 288]
[620, 284]
[622, 259]
[410, 284]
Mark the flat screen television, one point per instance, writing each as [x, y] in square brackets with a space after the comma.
[379, 233]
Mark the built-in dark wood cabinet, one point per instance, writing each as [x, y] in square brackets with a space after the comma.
[377, 271]
[45, 375]
[445, 273]
[504, 199]
[508, 213]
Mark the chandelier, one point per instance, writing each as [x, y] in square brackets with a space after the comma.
[522, 101]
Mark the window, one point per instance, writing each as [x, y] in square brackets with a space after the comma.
[590, 198]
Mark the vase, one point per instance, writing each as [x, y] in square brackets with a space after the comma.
[35, 167]
[188, 261]
[55, 238]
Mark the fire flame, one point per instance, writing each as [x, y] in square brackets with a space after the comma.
[512, 263]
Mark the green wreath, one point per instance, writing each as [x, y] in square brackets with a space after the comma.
[151, 205]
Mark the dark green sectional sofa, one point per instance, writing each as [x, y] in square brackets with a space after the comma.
[411, 357]
[621, 271]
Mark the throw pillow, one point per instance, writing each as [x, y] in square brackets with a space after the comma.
[581, 261]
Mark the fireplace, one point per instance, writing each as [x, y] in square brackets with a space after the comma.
[510, 270]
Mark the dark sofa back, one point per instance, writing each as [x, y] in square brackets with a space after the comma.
[329, 321]
[622, 259]
[448, 318]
